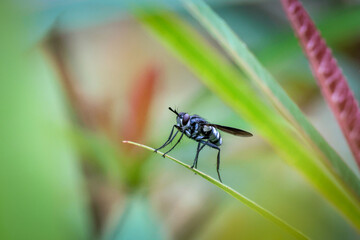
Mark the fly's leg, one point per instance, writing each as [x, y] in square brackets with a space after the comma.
[182, 134]
[218, 157]
[199, 152]
[199, 148]
[197, 155]
[218, 164]
[169, 140]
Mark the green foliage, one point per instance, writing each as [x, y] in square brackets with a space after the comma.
[337, 27]
[257, 73]
[225, 81]
[43, 193]
[137, 213]
[41, 187]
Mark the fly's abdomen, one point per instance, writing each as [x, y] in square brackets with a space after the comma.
[215, 137]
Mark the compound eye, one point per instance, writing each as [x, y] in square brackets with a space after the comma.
[186, 118]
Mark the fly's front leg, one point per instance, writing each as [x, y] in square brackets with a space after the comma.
[169, 140]
[182, 134]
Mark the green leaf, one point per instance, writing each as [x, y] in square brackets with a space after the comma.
[225, 81]
[256, 72]
[254, 206]
[244, 59]
[137, 214]
[42, 191]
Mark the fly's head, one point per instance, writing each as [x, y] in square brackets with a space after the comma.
[182, 119]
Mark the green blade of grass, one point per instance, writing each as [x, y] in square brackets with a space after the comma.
[226, 82]
[256, 72]
[254, 206]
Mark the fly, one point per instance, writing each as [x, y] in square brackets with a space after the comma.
[203, 132]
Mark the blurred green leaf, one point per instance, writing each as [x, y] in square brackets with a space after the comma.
[337, 27]
[225, 81]
[136, 222]
[100, 152]
[262, 211]
[256, 72]
[42, 190]
[239, 52]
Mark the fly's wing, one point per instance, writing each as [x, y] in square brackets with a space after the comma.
[231, 130]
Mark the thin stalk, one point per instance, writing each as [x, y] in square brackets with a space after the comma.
[251, 204]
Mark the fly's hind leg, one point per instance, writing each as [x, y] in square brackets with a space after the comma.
[218, 157]
[218, 164]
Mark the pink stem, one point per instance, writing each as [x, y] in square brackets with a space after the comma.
[330, 78]
[141, 95]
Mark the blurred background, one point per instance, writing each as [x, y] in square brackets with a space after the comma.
[79, 77]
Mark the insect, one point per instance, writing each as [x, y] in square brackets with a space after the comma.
[203, 132]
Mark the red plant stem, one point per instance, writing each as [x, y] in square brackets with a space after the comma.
[141, 95]
[330, 78]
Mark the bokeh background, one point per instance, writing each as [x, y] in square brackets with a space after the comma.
[79, 77]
